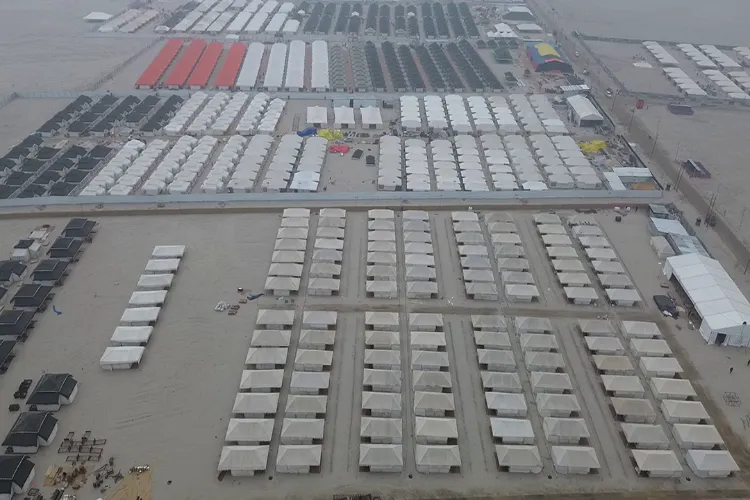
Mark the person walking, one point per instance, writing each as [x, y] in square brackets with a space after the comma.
[731, 370]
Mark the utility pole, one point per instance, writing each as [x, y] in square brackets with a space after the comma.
[742, 219]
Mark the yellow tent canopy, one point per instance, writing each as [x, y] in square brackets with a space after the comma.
[592, 146]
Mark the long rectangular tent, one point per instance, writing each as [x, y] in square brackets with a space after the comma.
[243, 460]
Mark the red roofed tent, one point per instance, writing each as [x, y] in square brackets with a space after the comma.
[202, 72]
[159, 65]
[228, 73]
[185, 64]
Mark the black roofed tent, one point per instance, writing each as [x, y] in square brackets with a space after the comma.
[17, 472]
[11, 271]
[31, 430]
[33, 297]
[79, 228]
[15, 323]
[6, 354]
[50, 272]
[65, 248]
[52, 391]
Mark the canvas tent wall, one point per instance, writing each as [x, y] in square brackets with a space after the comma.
[723, 308]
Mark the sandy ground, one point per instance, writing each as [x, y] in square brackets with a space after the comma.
[178, 402]
[45, 45]
[700, 22]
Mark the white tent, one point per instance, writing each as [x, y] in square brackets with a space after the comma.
[309, 382]
[168, 252]
[640, 329]
[382, 380]
[271, 338]
[557, 405]
[298, 459]
[425, 321]
[494, 360]
[691, 436]
[151, 298]
[645, 436]
[381, 430]
[711, 463]
[243, 460]
[634, 410]
[512, 430]
[343, 117]
[302, 431]
[554, 383]
[305, 406]
[316, 339]
[381, 321]
[261, 380]
[657, 463]
[381, 457]
[506, 404]
[382, 340]
[723, 308]
[501, 382]
[371, 117]
[521, 277]
[659, 367]
[282, 285]
[493, 323]
[650, 347]
[684, 412]
[140, 316]
[382, 289]
[491, 340]
[381, 404]
[544, 361]
[530, 324]
[255, 405]
[565, 430]
[605, 345]
[613, 365]
[519, 458]
[538, 342]
[161, 266]
[317, 116]
[435, 430]
[320, 320]
[155, 282]
[432, 459]
[275, 318]
[266, 358]
[432, 381]
[574, 459]
[596, 327]
[131, 335]
[314, 360]
[383, 359]
[121, 358]
[623, 385]
[433, 404]
[671, 388]
[249, 431]
[580, 294]
[427, 341]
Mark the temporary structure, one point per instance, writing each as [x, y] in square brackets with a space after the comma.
[501, 382]
[168, 252]
[640, 329]
[596, 327]
[320, 320]
[121, 358]
[271, 338]
[657, 463]
[494, 323]
[613, 365]
[580, 295]
[568, 265]
[296, 431]
[427, 322]
[650, 347]
[521, 293]
[382, 340]
[495, 360]
[309, 382]
[383, 359]
[492, 340]
[140, 316]
[435, 430]
[659, 367]
[431, 381]
[529, 324]
[421, 289]
[553, 383]
[381, 430]
[382, 380]
[671, 388]
[634, 410]
[538, 342]
[298, 459]
[381, 321]
[131, 335]
[306, 406]
[433, 404]
[282, 286]
[432, 459]
[427, 341]
[684, 412]
[381, 404]
[605, 345]
[155, 281]
[261, 380]
[266, 358]
[243, 460]
[312, 360]
[518, 459]
[151, 298]
[249, 431]
[574, 279]
[703, 437]
[255, 405]
[711, 463]
[574, 459]
[512, 430]
[506, 404]
[316, 339]
[645, 436]
[161, 266]
[623, 297]
[623, 386]
[381, 457]
[544, 361]
[565, 430]
[557, 405]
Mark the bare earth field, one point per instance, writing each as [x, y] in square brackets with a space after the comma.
[172, 412]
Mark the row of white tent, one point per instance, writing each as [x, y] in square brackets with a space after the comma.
[536, 114]
[519, 284]
[344, 117]
[684, 82]
[284, 277]
[296, 165]
[129, 340]
[661, 54]
[419, 255]
[112, 176]
[236, 17]
[237, 167]
[382, 264]
[129, 21]
[726, 84]
[479, 281]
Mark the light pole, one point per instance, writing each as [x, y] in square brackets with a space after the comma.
[656, 138]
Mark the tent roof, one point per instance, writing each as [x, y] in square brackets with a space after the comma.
[494, 356]
[271, 338]
[434, 401]
[489, 322]
[381, 427]
[565, 402]
[612, 363]
[505, 401]
[425, 319]
[644, 434]
[266, 355]
[609, 344]
[616, 383]
[575, 456]
[705, 435]
[140, 314]
[431, 378]
[650, 347]
[382, 377]
[381, 455]
[532, 324]
[377, 337]
[518, 456]
[686, 409]
[256, 402]
[319, 317]
[315, 357]
[132, 334]
[319, 338]
[712, 291]
[656, 460]
[317, 114]
[310, 380]
[243, 458]
[122, 355]
[640, 329]
[494, 339]
[309, 428]
[437, 455]
[306, 403]
[596, 326]
[545, 359]
[249, 429]
[343, 115]
[713, 460]
[381, 400]
[299, 455]
[382, 319]
[543, 381]
[538, 341]
[673, 386]
[583, 107]
[632, 406]
[436, 428]
[502, 381]
[261, 379]
[275, 317]
[371, 116]
[155, 280]
[383, 357]
[511, 427]
[431, 339]
[565, 427]
[661, 364]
